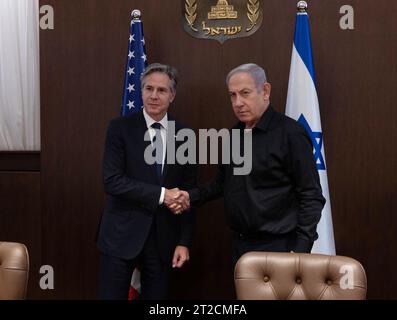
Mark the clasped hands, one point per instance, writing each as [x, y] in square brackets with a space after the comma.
[177, 200]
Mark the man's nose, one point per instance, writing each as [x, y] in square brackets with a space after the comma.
[238, 102]
[153, 94]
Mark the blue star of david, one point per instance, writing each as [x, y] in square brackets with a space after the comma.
[317, 140]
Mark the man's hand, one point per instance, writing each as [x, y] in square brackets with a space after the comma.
[176, 200]
[181, 256]
[170, 196]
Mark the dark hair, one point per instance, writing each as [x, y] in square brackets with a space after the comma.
[162, 68]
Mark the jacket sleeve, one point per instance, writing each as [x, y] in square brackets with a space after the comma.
[212, 191]
[303, 170]
[115, 180]
[187, 218]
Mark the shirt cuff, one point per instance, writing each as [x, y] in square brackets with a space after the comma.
[162, 195]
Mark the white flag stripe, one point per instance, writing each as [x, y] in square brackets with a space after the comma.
[302, 99]
[302, 94]
[136, 280]
[325, 243]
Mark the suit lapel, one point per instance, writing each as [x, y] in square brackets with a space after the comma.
[140, 129]
[166, 164]
[170, 135]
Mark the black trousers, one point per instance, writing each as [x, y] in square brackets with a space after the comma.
[115, 273]
[261, 242]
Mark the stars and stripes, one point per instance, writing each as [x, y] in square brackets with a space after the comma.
[132, 100]
[136, 64]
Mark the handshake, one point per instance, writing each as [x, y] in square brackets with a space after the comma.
[176, 200]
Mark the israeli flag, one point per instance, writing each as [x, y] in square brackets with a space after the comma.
[302, 105]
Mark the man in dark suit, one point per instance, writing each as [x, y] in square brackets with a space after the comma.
[137, 227]
[277, 206]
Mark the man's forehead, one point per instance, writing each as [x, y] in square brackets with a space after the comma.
[241, 86]
[241, 79]
[156, 84]
[158, 80]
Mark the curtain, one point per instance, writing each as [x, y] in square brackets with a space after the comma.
[19, 75]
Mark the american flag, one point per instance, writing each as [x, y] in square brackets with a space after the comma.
[136, 64]
[132, 98]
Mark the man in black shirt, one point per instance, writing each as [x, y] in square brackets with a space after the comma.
[277, 206]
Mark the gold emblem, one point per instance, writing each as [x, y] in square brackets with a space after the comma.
[222, 10]
[221, 19]
[253, 13]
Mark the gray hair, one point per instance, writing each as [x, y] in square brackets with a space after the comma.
[162, 68]
[256, 72]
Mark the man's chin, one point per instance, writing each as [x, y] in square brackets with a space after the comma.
[154, 112]
[243, 118]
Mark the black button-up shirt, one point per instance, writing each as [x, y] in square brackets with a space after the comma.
[282, 193]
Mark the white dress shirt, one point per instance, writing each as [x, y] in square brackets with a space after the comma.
[163, 131]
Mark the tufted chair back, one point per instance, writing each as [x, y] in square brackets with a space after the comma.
[14, 271]
[298, 276]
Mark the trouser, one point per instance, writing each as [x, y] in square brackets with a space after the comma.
[115, 273]
[261, 242]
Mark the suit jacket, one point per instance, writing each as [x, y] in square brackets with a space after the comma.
[134, 189]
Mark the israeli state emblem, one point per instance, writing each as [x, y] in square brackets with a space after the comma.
[221, 20]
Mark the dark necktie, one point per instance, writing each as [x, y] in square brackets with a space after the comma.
[158, 148]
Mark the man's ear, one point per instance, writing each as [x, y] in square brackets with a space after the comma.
[267, 88]
[172, 96]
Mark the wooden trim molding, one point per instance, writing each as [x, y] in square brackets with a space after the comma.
[19, 161]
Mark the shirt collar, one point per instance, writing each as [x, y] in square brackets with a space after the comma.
[264, 121]
[149, 120]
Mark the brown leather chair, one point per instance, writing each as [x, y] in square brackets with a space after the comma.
[298, 276]
[14, 271]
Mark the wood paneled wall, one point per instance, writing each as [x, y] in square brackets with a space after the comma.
[82, 64]
[20, 218]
